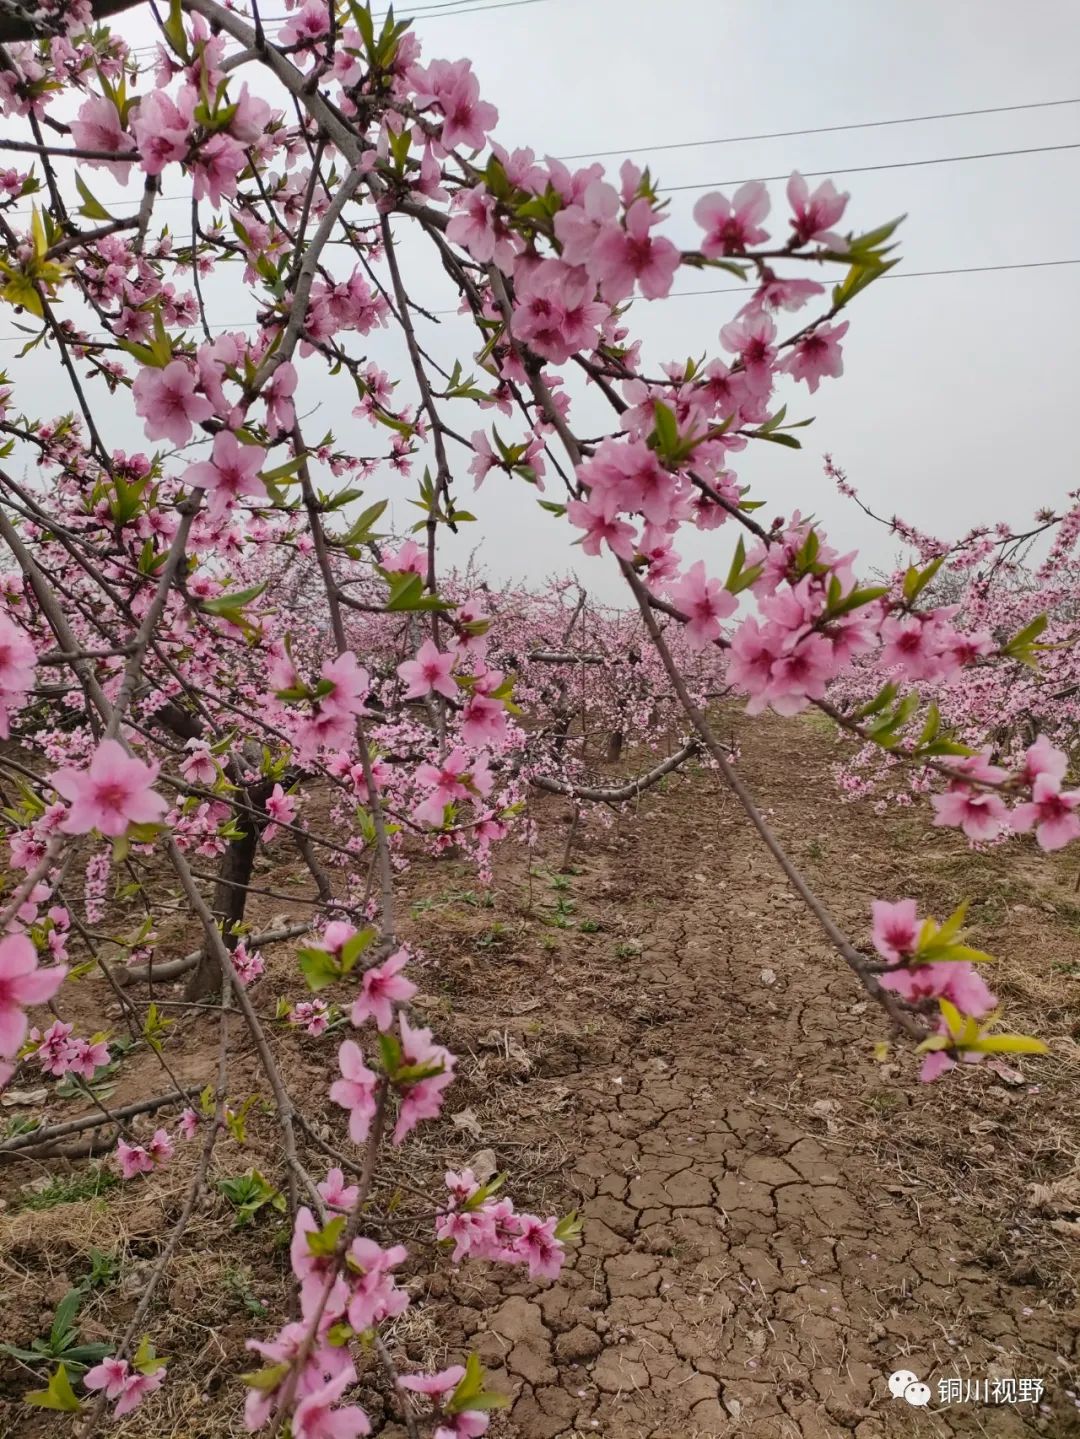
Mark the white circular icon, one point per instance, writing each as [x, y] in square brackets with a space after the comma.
[899, 1382]
[917, 1394]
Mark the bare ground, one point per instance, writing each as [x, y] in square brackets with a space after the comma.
[775, 1217]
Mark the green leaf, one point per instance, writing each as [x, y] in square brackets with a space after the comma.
[931, 727]
[21, 291]
[265, 1380]
[155, 1027]
[232, 600]
[1022, 646]
[81, 1356]
[916, 580]
[855, 599]
[934, 1042]
[1009, 1044]
[861, 274]
[470, 1392]
[319, 968]
[174, 30]
[323, 1242]
[953, 925]
[781, 437]
[362, 528]
[355, 947]
[30, 1356]
[390, 1053]
[946, 747]
[479, 1197]
[666, 429]
[282, 472]
[874, 239]
[407, 593]
[736, 565]
[568, 1227]
[362, 20]
[64, 1318]
[964, 954]
[93, 209]
[59, 1394]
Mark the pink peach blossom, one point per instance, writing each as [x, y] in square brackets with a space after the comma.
[316, 1416]
[167, 402]
[816, 213]
[621, 258]
[112, 794]
[705, 602]
[732, 225]
[355, 1091]
[382, 986]
[231, 473]
[22, 983]
[896, 928]
[97, 127]
[816, 355]
[1054, 814]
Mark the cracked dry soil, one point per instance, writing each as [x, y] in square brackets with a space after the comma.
[773, 1223]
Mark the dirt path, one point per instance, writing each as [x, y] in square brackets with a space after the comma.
[774, 1219]
[757, 1257]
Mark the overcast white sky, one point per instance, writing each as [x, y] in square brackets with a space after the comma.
[959, 398]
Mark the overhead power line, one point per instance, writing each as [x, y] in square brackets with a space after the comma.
[865, 169]
[892, 275]
[763, 179]
[820, 129]
[688, 294]
[440, 11]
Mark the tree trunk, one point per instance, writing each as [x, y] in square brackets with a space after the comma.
[230, 900]
[614, 747]
[238, 861]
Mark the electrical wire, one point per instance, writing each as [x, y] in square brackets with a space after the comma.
[765, 179]
[892, 275]
[688, 294]
[818, 129]
[866, 169]
[438, 11]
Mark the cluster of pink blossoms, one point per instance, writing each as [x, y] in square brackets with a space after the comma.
[129, 1387]
[165, 130]
[666, 467]
[803, 640]
[973, 803]
[133, 1159]
[22, 983]
[313, 1015]
[357, 1294]
[335, 703]
[426, 1069]
[249, 964]
[896, 934]
[463, 1423]
[483, 1227]
[17, 661]
[59, 1051]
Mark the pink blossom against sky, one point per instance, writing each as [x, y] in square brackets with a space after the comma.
[953, 450]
